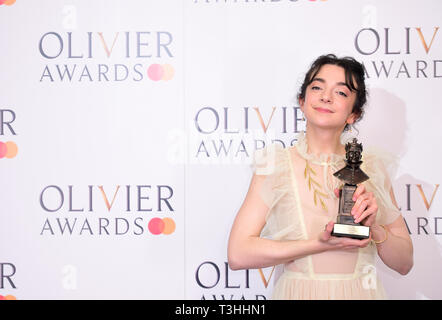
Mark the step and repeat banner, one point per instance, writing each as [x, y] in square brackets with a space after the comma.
[127, 130]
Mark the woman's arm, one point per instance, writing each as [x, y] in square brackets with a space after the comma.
[397, 251]
[247, 250]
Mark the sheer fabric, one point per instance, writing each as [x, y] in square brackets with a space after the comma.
[298, 189]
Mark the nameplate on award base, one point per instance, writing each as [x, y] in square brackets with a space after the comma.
[350, 231]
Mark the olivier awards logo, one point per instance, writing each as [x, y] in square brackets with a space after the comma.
[7, 273]
[218, 282]
[235, 133]
[253, 1]
[103, 57]
[408, 52]
[94, 211]
[416, 207]
[8, 149]
[7, 2]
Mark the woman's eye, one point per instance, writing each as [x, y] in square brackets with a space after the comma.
[316, 88]
[341, 93]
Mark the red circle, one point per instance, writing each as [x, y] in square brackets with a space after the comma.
[156, 226]
[155, 72]
[1, 297]
[3, 149]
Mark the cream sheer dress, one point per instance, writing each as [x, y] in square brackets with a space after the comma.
[298, 189]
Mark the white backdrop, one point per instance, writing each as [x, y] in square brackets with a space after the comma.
[135, 123]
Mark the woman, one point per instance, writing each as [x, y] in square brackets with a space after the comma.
[293, 195]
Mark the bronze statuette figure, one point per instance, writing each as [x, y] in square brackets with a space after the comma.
[351, 175]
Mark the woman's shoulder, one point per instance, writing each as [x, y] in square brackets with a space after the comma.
[270, 159]
[380, 165]
[375, 156]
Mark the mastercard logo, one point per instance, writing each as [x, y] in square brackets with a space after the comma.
[8, 149]
[158, 226]
[8, 297]
[157, 72]
[7, 2]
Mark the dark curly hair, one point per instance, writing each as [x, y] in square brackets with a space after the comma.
[354, 78]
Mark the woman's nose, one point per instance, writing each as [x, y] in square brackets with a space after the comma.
[326, 96]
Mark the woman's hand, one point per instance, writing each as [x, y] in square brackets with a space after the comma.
[365, 208]
[364, 211]
[335, 243]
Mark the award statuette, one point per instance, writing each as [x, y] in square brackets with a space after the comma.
[351, 175]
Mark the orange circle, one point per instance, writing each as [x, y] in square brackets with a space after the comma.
[169, 226]
[12, 150]
[10, 297]
[169, 72]
[9, 2]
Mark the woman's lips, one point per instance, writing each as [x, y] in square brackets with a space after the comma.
[323, 110]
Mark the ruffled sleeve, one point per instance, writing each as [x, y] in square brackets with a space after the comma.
[266, 164]
[380, 166]
[281, 220]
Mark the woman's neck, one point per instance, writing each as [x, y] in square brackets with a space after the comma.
[324, 141]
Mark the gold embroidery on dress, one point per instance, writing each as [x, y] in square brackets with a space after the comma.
[308, 172]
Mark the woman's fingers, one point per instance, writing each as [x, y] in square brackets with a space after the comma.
[329, 227]
[365, 205]
[367, 213]
[358, 207]
[326, 234]
[359, 190]
[355, 242]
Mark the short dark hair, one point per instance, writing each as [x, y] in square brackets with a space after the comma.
[354, 72]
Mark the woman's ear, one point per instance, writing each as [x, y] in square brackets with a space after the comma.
[301, 104]
[352, 118]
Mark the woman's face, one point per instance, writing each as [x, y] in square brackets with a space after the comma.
[328, 100]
